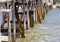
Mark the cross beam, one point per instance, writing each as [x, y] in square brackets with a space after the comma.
[4, 0]
[5, 10]
[3, 38]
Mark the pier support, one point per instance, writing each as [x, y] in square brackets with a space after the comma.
[21, 30]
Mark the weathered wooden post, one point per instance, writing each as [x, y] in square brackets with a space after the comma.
[0, 33]
[21, 30]
[9, 28]
[35, 11]
[31, 19]
[38, 17]
[46, 6]
[24, 17]
[4, 15]
[28, 18]
[39, 11]
[3, 20]
[42, 10]
[30, 13]
[13, 19]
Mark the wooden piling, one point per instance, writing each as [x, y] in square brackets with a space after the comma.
[35, 6]
[28, 24]
[9, 29]
[39, 10]
[21, 30]
[14, 24]
[31, 18]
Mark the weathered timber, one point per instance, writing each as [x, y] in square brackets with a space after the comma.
[31, 18]
[21, 30]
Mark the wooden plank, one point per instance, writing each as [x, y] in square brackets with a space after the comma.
[3, 38]
[4, 0]
[6, 30]
[5, 10]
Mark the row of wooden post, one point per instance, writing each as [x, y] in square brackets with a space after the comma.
[39, 16]
[38, 12]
